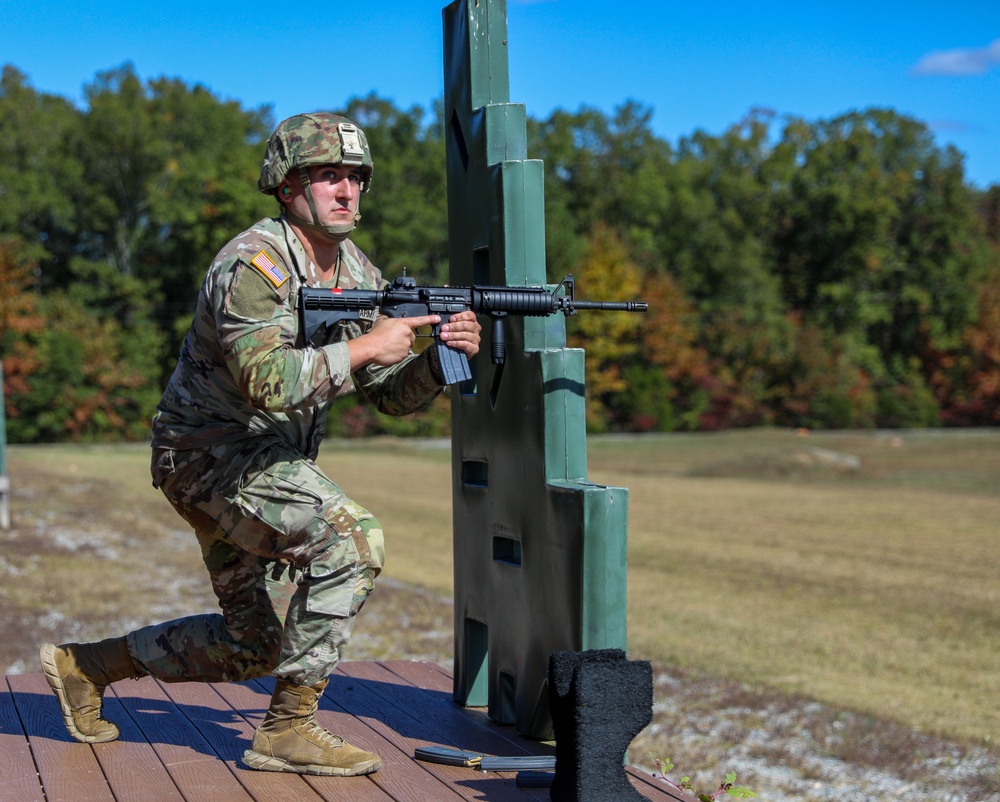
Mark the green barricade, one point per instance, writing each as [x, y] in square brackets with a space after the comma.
[540, 552]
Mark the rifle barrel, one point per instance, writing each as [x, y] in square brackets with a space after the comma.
[612, 306]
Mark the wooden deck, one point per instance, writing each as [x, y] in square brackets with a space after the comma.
[182, 742]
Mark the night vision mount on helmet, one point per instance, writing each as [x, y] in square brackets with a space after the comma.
[309, 140]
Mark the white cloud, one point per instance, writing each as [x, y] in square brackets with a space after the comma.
[956, 127]
[960, 61]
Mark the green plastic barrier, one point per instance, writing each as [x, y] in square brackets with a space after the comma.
[540, 552]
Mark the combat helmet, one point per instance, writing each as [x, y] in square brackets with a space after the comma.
[307, 140]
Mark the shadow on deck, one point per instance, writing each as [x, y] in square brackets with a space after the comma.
[182, 741]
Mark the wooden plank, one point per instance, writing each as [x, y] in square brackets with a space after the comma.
[470, 727]
[252, 700]
[131, 766]
[69, 771]
[420, 717]
[18, 776]
[651, 788]
[228, 735]
[183, 741]
[432, 676]
[186, 754]
[422, 673]
[397, 779]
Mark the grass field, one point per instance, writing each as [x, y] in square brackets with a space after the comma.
[859, 569]
[876, 588]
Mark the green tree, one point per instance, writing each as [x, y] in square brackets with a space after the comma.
[664, 386]
[835, 273]
[19, 320]
[600, 171]
[405, 217]
[121, 207]
[989, 210]
[821, 387]
[610, 339]
[879, 240]
[170, 177]
[717, 240]
[209, 183]
[38, 168]
[90, 384]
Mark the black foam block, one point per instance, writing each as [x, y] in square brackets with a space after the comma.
[600, 702]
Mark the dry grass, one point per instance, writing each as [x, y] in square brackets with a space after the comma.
[755, 556]
[875, 589]
[93, 551]
[408, 487]
[766, 557]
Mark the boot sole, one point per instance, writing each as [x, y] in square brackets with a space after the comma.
[255, 760]
[46, 656]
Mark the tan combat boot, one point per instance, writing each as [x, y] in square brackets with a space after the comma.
[78, 673]
[290, 740]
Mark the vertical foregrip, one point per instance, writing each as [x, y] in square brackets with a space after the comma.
[498, 344]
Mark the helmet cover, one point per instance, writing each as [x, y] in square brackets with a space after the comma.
[307, 140]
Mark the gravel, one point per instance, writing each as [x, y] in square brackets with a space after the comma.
[798, 750]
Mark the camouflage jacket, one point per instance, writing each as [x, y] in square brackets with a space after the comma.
[245, 370]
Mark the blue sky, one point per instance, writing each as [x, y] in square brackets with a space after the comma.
[697, 65]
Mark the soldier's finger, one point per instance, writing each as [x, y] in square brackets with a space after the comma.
[417, 322]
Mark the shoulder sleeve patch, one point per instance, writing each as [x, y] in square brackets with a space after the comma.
[269, 268]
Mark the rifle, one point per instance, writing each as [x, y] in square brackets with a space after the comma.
[321, 308]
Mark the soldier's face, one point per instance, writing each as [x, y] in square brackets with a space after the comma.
[336, 190]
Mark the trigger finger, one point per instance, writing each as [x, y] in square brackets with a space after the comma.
[426, 320]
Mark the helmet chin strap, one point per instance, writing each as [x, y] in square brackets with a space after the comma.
[334, 233]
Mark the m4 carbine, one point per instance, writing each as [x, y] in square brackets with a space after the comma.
[320, 308]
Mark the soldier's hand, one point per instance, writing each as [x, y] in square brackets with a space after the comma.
[462, 332]
[387, 342]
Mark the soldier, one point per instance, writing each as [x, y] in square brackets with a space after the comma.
[290, 557]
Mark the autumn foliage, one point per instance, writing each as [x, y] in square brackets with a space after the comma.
[826, 274]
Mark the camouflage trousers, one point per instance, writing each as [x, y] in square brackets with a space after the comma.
[290, 557]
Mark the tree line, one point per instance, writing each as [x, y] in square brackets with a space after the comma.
[828, 274]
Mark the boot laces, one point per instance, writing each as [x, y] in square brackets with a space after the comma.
[324, 737]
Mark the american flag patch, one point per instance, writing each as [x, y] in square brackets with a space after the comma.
[266, 265]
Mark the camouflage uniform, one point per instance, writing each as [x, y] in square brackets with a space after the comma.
[290, 557]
